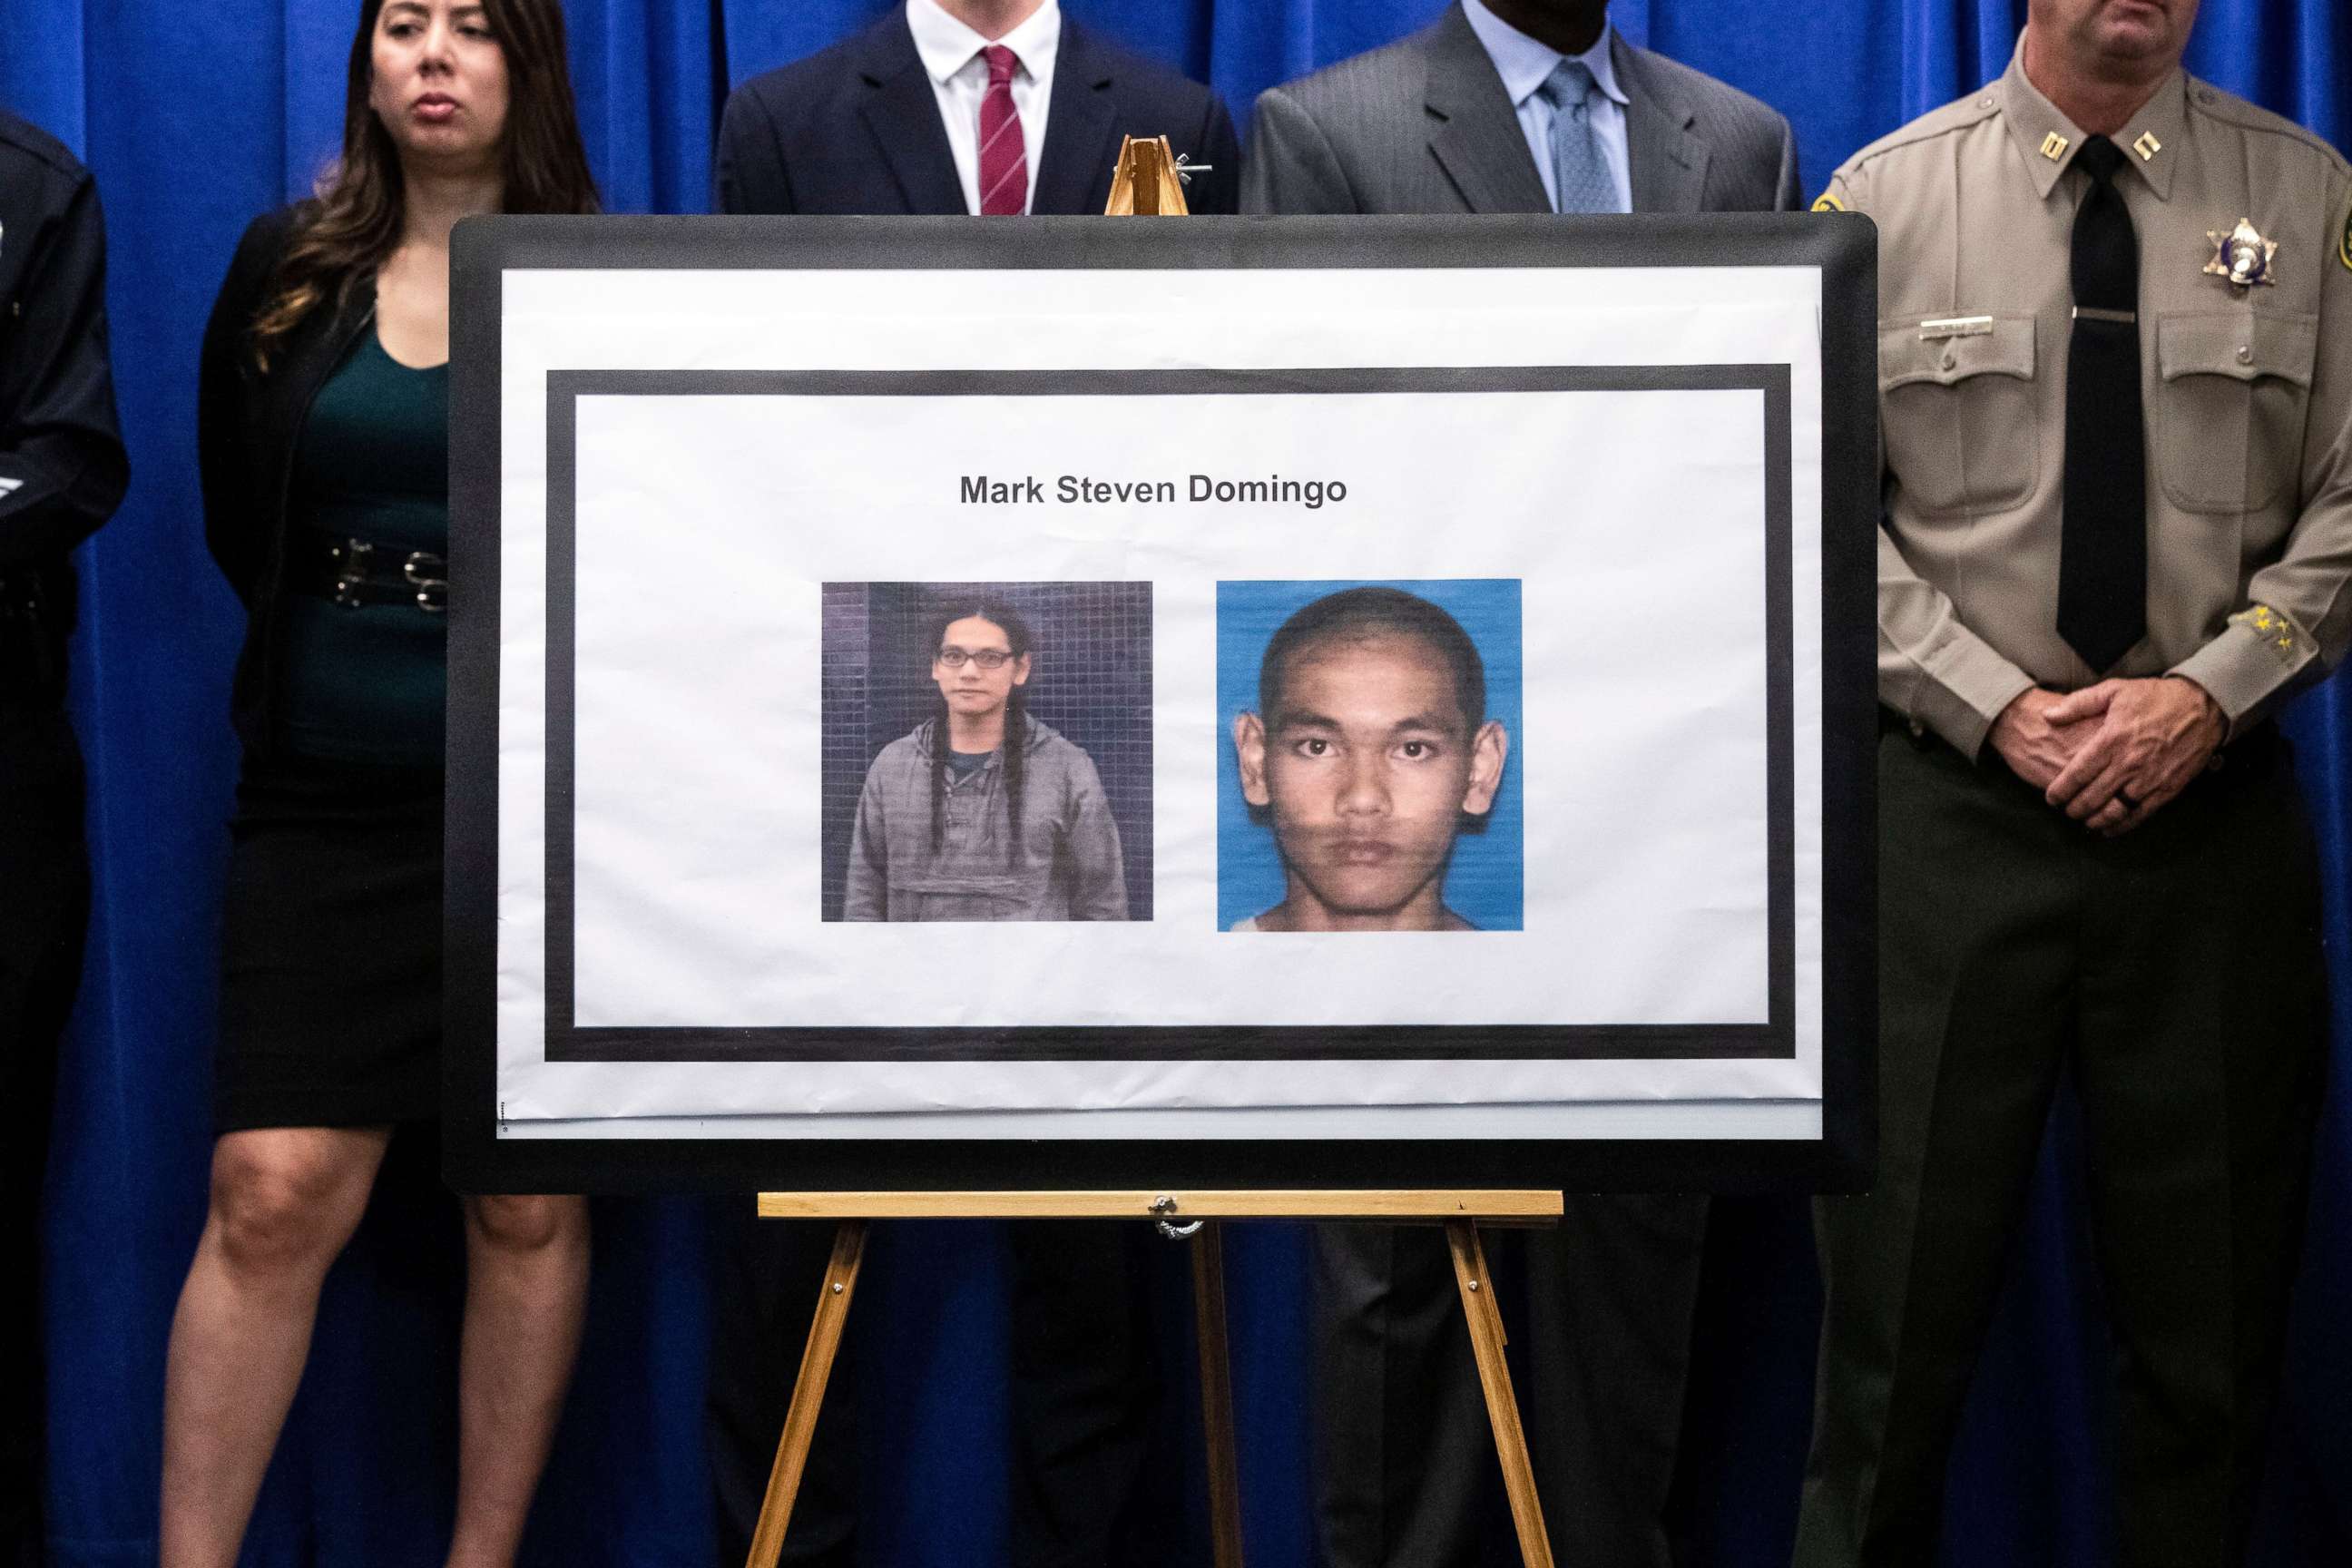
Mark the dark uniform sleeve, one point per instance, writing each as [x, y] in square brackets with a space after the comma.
[62, 465]
[750, 176]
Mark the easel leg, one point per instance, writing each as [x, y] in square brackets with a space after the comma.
[1495, 1377]
[1217, 1394]
[808, 1392]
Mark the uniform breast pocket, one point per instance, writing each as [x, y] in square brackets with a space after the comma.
[2230, 409]
[1958, 414]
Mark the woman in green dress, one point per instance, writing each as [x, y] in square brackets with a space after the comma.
[323, 420]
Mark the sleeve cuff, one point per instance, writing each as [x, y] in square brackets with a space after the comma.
[2257, 657]
[1960, 700]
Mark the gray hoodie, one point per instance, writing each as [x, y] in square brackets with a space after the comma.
[1068, 866]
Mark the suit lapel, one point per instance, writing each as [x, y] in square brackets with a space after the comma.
[1480, 146]
[1073, 169]
[1666, 164]
[903, 113]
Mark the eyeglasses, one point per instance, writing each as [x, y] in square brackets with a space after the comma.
[987, 658]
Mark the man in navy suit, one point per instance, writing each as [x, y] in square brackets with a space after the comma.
[887, 122]
[994, 108]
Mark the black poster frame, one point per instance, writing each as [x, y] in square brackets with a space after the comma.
[1842, 247]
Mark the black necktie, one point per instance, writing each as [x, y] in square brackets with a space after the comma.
[2103, 537]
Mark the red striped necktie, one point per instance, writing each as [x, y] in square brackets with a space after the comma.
[1003, 152]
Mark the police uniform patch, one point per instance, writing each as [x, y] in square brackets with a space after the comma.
[1826, 203]
[2344, 242]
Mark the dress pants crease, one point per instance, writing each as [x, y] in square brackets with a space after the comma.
[1405, 1472]
[2174, 972]
[1611, 1294]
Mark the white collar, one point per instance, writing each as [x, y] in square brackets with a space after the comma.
[1523, 62]
[947, 46]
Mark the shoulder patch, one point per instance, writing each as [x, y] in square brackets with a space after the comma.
[2344, 242]
[1826, 203]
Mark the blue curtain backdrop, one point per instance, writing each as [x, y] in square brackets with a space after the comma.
[194, 117]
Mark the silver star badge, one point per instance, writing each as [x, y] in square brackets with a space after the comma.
[2242, 255]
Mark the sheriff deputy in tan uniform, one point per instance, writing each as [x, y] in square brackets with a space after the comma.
[2116, 391]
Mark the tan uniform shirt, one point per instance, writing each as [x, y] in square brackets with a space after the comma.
[2247, 396]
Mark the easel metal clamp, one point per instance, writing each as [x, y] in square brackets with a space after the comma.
[1163, 1206]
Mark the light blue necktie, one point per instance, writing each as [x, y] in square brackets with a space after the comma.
[1580, 180]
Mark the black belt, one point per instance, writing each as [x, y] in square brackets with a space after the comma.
[355, 571]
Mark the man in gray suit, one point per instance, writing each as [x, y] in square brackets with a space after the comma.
[1447, 121]
[1509, 106]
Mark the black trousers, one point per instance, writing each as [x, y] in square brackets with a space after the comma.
[764, 1277]
[1085, 1385]
[1404, 1455]
[2176, 974]
[44, 907]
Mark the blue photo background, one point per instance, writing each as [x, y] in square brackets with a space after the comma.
[1484, 881]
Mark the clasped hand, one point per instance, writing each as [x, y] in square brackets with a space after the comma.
[2111, 755]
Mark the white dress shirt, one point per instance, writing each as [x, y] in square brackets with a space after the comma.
[958, 71]
[1523, 64]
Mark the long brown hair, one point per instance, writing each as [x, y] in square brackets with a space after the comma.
[346, 232]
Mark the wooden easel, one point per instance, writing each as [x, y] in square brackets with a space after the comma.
[1149, 184]
[1460, 1212]
[1148, 181]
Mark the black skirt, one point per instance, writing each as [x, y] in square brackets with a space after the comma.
[330, 978]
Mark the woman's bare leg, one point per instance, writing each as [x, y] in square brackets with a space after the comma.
[526, 1292]
[284, 1202]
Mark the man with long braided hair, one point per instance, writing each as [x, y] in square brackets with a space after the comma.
[983, 813]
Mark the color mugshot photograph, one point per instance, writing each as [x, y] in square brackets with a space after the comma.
[987, 752]
[1367, 774]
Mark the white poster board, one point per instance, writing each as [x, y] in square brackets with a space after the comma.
[728, 478]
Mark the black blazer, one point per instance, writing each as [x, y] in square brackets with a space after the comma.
[248, 424]
[59, 443]
[60, 448]
[855, 129]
